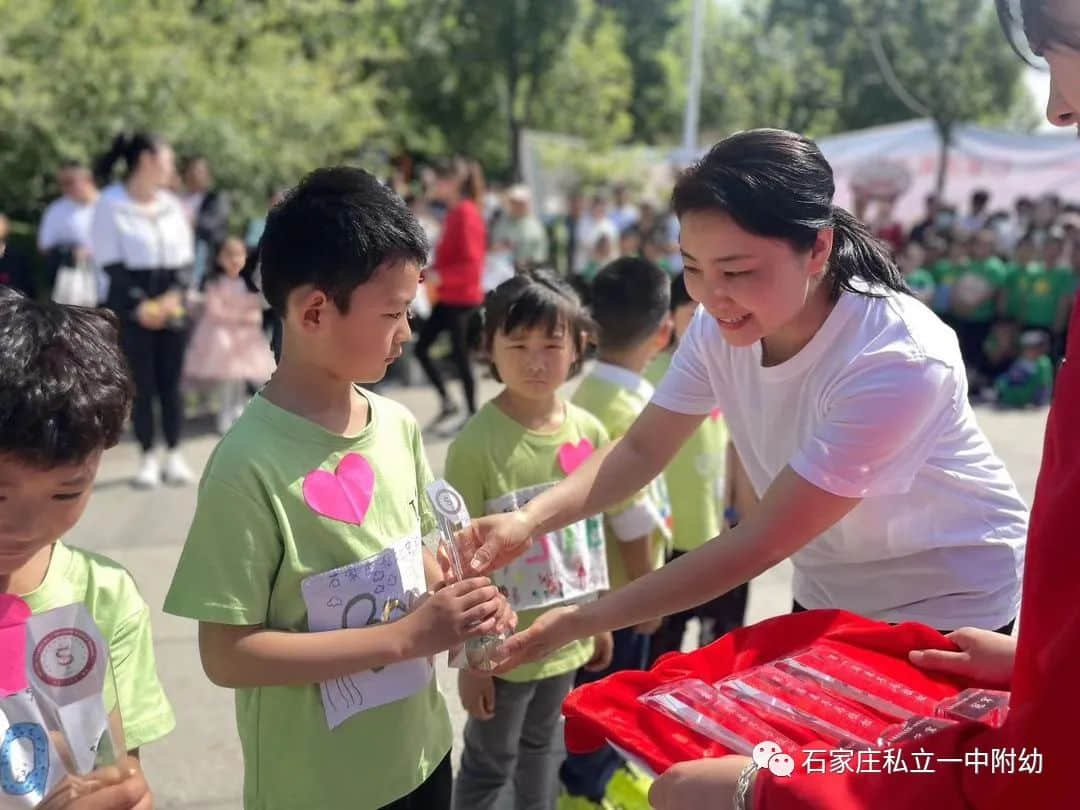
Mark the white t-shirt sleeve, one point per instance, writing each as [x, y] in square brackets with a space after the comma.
[105, 235]
[880, 426]
[686, 387]
[48, 236]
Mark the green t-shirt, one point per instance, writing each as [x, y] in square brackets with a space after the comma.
[945, 274]
[921, 281]
[1034, 294]
[117, 608]
[495, 456]
[695, 477]
[1028, 382]
[979, 280]
[616, 397]
[273, 509]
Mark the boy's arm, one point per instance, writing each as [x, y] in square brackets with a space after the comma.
[245, 656]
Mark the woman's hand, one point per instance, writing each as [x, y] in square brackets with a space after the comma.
[698, 784]
[491, 542]
[984, 656]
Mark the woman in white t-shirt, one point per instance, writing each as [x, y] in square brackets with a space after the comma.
[846, 399]
[141, 238]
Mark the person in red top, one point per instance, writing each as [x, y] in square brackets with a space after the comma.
[458, 269]
[1042, 666]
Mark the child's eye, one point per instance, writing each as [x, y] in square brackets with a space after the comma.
[66, 496]
[397, 316]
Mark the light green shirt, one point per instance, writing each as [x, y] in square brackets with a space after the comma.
[695, 477]
[495, 456]
[114, 602]
[273, 509]
[526, 237]
[617, 396]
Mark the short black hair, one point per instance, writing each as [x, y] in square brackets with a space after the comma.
[334, 230]
[538, 298]
[630, 299]
[65, 390]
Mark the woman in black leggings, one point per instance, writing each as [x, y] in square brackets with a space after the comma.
[459, 268]
[142, 240]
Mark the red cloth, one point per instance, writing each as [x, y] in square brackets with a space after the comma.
[609, 709]
[459, 256]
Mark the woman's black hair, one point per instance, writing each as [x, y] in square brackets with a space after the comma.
[251, 263]
[777, 184]
[1030, 28]
[537, 299]
[127, 147]
[467, 172]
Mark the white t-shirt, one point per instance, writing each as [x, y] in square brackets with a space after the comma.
[66, 222]
[873, 407]
[156, 235]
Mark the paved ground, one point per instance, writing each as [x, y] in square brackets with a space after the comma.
[198, 766]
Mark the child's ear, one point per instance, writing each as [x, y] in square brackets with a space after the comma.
[310, 304]
[664, 332]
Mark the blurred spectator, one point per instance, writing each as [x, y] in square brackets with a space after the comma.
[975, 300]
[886, 227]
[657, 249]
[521, 232]
[929, 222]
[946, 271]
[15, 269]
[207, 210]
[1028, 381]
[1043, 218]
[596, 223]
[565, 234]
[602, 254]
[912, 264]
[977, 220]
[630, 242]
[64, 235]
[625, 213]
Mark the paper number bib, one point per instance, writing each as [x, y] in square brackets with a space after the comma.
[376, 590]
[560, 566]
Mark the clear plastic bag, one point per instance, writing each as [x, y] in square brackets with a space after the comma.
[481, 652]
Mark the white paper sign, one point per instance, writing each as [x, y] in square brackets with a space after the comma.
[560, 566]
[29, 765]
[68, 661]
[376, 590]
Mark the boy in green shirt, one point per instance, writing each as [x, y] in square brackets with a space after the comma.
[697, 487]
[65, 396]
[630, 304]
[1029, 380]
[975, 296]
[918, 278]
[516, 446]
[303, 563]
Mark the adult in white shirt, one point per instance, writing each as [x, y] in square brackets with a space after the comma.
[64, 234]
[141, 238]
[596, 224]
[846, 399]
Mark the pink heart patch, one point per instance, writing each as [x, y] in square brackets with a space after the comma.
[572, 456]
[344, 494]
[14, 613]
[716, 414]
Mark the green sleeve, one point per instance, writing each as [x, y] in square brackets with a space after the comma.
[464, 473]
[230, 559]
[144, 709]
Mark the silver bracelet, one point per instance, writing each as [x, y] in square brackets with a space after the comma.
[744, 787]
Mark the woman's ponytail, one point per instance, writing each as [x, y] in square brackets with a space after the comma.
[857, 253]
[127, 147]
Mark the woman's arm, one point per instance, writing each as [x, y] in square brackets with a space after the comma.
[609, 477]
[792, 513]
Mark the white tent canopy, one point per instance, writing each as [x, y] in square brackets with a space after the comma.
[1006, 164]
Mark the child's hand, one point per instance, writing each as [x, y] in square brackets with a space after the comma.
[477, 693]
[603, 650]
[445, 618]
[984, 656]
[118, 787]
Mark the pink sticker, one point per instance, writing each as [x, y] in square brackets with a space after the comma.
[14, 613]
[572, 456]
[716, 414]
[343, 495]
